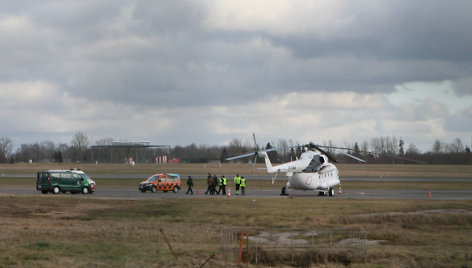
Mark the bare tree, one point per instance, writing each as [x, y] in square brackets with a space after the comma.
[365, 147]
[48, 149]
[456, 146]
[437, 147]
[412, 149]
[80, 140]
[80, 144]
[6, 146]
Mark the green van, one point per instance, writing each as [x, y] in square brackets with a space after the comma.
[61, 181]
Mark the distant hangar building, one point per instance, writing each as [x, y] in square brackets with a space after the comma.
[131, 152]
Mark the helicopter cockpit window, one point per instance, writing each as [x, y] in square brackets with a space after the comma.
[314, 164]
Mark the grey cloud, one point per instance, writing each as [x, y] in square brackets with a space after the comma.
[148, 54]
[463, 86]
[85, 53]
[461, 122]
[406, 30]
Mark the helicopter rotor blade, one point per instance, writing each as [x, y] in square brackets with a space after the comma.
[257, 154]
[330, 157]
[353, 157]
[372, 153]
[240, 156]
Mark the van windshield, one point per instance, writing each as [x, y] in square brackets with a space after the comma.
[87, 178]
[152, 178]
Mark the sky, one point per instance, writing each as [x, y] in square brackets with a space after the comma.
[207, 72]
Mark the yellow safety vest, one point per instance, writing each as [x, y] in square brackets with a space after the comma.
[237, 180]
[243, 182]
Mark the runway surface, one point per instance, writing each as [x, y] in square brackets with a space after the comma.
[120, 193]
[264, 177]
[135, 194]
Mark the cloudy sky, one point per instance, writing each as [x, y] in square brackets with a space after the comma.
[205, 72]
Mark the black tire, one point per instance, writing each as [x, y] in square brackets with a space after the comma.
[331, 191]
[85, 190]
[44, 192]
[176, 189]
[153, 189]
[284, 191]
[56, 190]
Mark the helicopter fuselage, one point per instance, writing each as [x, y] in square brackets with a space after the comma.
[324, 178]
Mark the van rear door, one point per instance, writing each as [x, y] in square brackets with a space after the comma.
[42, 181]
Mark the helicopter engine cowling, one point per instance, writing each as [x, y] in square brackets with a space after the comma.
[316, 162]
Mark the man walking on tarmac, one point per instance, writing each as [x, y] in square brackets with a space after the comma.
[243, 185]
[215, 184]
[190, 185]
[210, 182]
[237, 182]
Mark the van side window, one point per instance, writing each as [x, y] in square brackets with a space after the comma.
[162, 179]
[55, 175]
[66, 175]
[77, 177]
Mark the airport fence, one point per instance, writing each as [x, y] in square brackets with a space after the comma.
[292, 246]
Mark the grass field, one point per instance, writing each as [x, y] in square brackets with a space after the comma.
[51, 231]
[57, 231]
[346, 170]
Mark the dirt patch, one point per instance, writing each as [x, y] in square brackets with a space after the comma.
[420, 212]
[356, 242]
[53, 208]
[278, 238]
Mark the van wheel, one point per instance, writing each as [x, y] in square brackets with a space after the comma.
[176, 189]
[85, 190]
[44, 191]
[56, 190]
[154, 189]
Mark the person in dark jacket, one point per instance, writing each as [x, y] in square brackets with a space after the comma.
[215, 184]
[210, 182]
[190, 185]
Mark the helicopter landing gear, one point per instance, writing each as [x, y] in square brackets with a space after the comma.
[284, 191]
[331, 191]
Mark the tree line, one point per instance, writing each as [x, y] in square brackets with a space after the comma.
[378, 150]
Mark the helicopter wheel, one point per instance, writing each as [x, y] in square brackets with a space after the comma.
[331, 191]
[284, 191]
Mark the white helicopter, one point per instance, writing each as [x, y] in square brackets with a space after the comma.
[312, 171]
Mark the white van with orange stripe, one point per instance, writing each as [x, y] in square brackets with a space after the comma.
[162, 182]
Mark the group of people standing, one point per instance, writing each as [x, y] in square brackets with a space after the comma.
[214, 182]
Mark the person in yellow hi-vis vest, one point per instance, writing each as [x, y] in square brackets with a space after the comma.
[243, 185]
[223, 184]
[237, 182]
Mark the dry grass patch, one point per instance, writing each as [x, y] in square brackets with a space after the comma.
[91, 232]
[230, 169]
